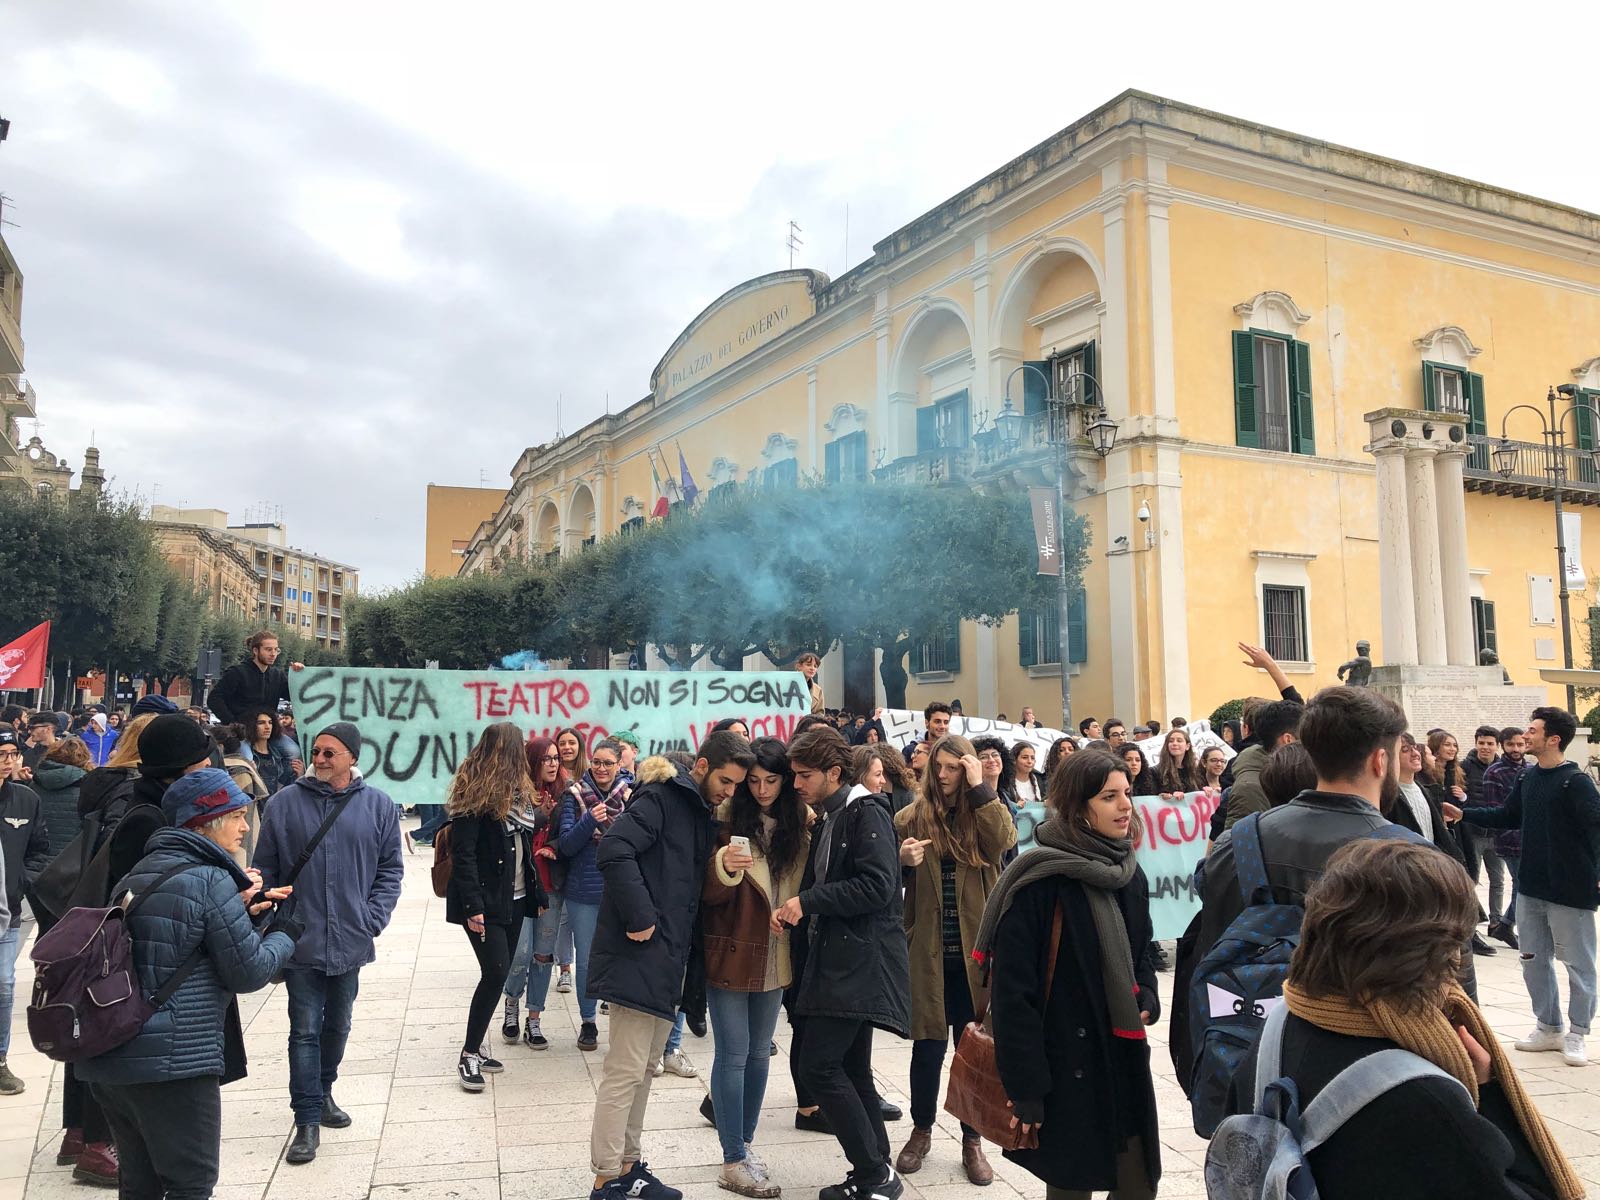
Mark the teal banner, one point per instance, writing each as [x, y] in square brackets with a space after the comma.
[417, 725]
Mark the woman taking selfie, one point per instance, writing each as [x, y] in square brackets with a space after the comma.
[761, 855]
[493, 884]
[1069, 923]
[954, 836]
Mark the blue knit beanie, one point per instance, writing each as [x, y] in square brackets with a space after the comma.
[200, 796]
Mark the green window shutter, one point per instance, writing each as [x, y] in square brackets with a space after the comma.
[1430, 394]
[1035, 387]
[1303, 435]
[830, 454]
[1091, 394]
[1477, 423]
[1027, 638]
[1078, 627]
[1246, 427]
[858, 442]
[1584, 420]
[952, 649]
[927, 429]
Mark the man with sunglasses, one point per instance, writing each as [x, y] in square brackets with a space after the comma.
[344, 896]
[26, 847]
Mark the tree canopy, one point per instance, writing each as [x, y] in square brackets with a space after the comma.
[747, 572]
[90, 566]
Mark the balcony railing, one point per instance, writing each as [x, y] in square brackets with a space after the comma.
[937, 466]
[1531, 476]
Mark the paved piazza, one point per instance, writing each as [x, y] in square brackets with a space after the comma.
[418, 1136]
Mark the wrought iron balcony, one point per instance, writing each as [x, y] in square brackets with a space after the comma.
[1532, 474]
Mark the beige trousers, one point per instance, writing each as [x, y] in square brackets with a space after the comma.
[637, 1040]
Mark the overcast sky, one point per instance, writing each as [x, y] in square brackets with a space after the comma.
[319, 255]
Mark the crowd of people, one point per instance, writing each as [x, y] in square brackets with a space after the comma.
[862, 889]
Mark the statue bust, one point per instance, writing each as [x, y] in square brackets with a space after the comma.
[1358, 671]
[1488, 658]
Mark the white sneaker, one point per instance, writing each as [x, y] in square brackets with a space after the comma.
[756, 1163]
[1542, 1039]
[1573, 1051]
[739, 1178]
[658, 1069]
[678, 1063]
[564, 981]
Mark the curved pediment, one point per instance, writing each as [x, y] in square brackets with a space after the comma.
[735, 324]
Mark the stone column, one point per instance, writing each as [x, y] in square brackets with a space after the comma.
[1394, 558]
[1427, 590]
[1451, 497]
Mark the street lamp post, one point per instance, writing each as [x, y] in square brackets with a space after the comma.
[1552, 429]
[1102, 435]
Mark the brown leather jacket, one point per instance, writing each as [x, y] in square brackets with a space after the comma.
[736, 913]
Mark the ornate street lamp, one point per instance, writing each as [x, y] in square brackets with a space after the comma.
[1101, 435]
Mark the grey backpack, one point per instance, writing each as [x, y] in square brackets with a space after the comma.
[1262, 1155]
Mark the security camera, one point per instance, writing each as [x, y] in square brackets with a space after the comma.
[1121, 541]
[1144, 510]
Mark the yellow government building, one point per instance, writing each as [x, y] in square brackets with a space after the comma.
[1243, 296]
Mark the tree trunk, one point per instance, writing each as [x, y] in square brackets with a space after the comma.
[893, 673]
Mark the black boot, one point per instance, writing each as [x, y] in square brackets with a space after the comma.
[333, 1117]
[1481, 947]
[304, 1146]
[891, 1112]
[708, 1110]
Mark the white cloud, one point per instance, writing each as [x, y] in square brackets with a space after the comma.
[323, 253]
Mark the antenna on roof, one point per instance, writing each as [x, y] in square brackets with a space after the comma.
[559, 434]
[793, 242]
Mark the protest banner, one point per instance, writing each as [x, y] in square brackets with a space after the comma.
[1173, 843]
[417, 725]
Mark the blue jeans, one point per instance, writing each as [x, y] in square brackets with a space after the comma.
[743, 1023]
[564, 941]
[1554, 932]
[10, 943]
[675, 1038]
[536, 947]
[1513, 865]
[582, 918]
[433, 819]
[319, 1027]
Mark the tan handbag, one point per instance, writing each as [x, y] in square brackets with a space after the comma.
[976, 1095]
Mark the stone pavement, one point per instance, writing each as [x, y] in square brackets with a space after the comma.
[418, 1136]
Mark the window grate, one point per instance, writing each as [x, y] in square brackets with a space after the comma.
[1283, 615]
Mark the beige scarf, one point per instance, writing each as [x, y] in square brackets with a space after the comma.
[1431, 1034]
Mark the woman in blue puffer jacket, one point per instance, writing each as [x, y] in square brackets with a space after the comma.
[161, 1090]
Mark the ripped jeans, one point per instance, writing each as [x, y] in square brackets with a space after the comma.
[535, 955]
[1551, 933]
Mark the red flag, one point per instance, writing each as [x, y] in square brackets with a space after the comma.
[22, 661]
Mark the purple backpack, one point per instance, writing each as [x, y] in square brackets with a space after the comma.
[86, 994]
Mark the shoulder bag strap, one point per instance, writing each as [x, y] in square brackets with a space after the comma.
[185, 968]
[1269, 1052]
[1357, 1086]
[1250, 861]
[1049, 972]
[316, 840]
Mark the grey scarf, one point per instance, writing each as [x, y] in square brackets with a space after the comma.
[1103, 866]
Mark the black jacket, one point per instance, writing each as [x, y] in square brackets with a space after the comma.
[483, 872]
[857, 965]
[244, 686]
[1095, 1088]
[24, 840]
[1421, 1141]
[1298, 838]
[653, 859]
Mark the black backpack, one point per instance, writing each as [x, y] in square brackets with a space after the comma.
[80, 876]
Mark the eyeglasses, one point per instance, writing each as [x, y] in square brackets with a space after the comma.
[602, 762]
[10, 754]
[323, 753]
[552, 758]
